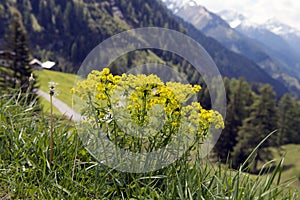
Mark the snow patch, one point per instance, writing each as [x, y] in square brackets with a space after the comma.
[235, 23]
[192, 3]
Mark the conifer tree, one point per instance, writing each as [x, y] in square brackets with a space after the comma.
[286, 120]
[239, 97]
[295, 135]
[261, 121]
[18, 44]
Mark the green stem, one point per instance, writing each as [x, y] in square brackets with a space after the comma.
[51, 130]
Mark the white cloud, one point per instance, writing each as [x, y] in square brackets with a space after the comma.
[287, 11]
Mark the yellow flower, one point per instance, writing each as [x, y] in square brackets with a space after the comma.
[110, 77]
[174, 123]
[106, 71]
[73, 90]
[101, 96]
[100, 87]
[197, 88]
[176, 113]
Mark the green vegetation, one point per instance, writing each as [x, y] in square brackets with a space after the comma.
[240, 98]
[253, 112]
[17, 72]
[159, 108]
[262, 119]
[46, 107]
[51, 25]
[291, 168]
[65, 84]
[26, 173]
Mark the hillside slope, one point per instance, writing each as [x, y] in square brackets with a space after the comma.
[214, 26]
[66, 31]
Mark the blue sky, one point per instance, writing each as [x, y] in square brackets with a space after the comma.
[286, 11]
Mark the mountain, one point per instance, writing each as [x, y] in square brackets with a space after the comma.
[67, 30]
[214, 26]
[233, 18]
[242, 65]
[278, 39]
[272, 33]
[289, 34]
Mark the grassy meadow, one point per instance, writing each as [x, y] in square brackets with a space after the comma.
[65, 83]
[291, 169]
[25, 171]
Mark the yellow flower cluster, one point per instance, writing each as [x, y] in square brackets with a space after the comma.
[183, 91]
[138, 94]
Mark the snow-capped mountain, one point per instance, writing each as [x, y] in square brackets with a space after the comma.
[280, 39]
[280, 28]
[235, 19]
[288, 33]
[176, 5]
[198, 15]
[270, 51]
[266, 33]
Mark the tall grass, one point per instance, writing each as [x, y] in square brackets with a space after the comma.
[25, 171]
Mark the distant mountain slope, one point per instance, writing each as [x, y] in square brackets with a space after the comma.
[214, 26]
[68, 30]
[279, 37]
[280, 41]
[252, 72]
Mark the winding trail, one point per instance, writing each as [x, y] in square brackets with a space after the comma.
[61, 106]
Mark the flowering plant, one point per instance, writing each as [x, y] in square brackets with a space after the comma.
[141, 113]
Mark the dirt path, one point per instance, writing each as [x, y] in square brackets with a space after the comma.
[61, 106]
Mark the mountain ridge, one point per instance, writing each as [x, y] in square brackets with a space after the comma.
[67, 30]
[273, 34]
[214, 26]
